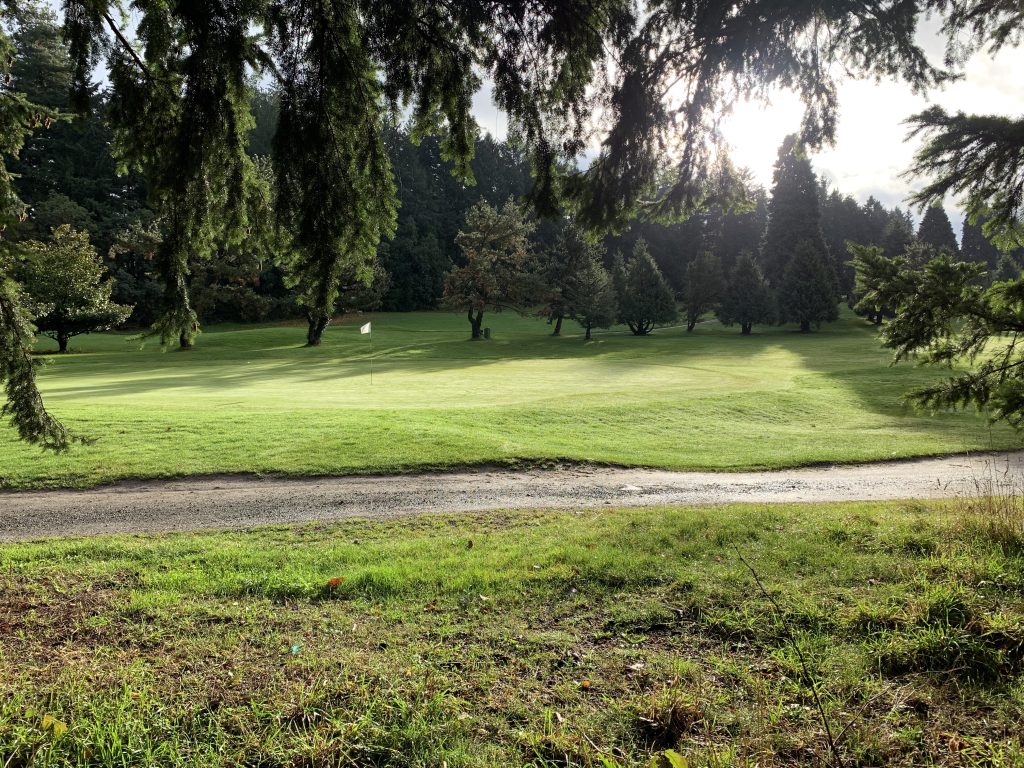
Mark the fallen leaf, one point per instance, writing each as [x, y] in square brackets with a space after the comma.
[55, 726]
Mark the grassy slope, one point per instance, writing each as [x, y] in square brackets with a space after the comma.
[249, 399]
[520, 639]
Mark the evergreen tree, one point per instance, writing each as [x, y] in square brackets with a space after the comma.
[936, 231]
[495, 246]
[898, 235]
[746, 298]
[976, 247]
[65, 281]
[807, 296]
[703, 287]
[591, 296]
[842, 221]
[646, 299]
[793, 214]
[572, 251]
[1007, 269]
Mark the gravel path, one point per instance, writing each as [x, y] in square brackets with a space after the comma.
[242, 502]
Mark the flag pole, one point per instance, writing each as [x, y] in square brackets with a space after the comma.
[371, 356]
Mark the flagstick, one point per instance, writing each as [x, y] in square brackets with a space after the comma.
[371, 356]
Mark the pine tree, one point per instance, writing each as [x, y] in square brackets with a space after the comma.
[65, 280]
[807, 296]
[495, 245]
[591, 296]
[647, 299]
[746, 298]
[794, 216]
[703, 287]
[936, 231]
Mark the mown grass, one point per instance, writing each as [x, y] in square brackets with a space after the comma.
[588, 638]
[250, 399]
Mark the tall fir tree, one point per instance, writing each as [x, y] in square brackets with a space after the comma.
[591, 298]
[937, 231]
[807, 294]
[703, 287]
[647, 299]
[573, 250]
[794, 215]
[974, 246]
[746, 298]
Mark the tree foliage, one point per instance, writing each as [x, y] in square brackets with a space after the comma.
[66, 282]
[645, 299]
[591, 298]
[19, 118]
[794, 216]
[703, 287]
[807, 295]
[573, 251]
[943, 315]
[937, 232]
[496, 248]
[746, 298]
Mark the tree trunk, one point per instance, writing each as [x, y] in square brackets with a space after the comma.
[315, 330]
[877, 319]
[691, 323]
[62, 342]
[184, 341]
[587, 338]
[476, 322]
[805, 326]
[745, 328]
[558, 326]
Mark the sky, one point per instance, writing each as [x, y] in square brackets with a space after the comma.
[872, 149]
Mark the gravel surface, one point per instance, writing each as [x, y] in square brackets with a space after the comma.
[243, 502]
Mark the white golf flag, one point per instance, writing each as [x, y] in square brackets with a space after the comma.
[365, 328]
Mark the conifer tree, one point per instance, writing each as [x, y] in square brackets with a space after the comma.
[647, 299]
[898, 236]
[976, 247]
[496, 248]
[65, 280]
[703, 287]
[746, 298]
[807, 296]
[794, 215]
[1007, 269]
[591, 296]
[937, 231]
[573, 250]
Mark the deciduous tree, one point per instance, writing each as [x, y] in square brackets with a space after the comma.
[68, 286]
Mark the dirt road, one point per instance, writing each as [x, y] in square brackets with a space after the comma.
[242, 502]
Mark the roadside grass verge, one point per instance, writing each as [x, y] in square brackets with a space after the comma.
[250, 399]
[541, 639]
